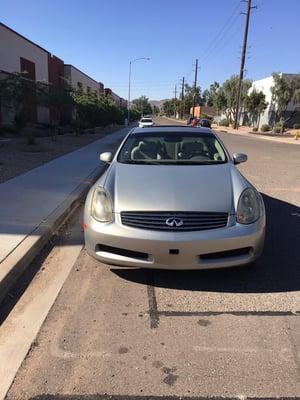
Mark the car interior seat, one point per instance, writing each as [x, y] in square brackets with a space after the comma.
[191, 149]
[146, 150]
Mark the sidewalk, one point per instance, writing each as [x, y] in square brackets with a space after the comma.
[279, 139]
[243, 132]
[34, 204]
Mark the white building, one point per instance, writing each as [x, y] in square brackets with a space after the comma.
[268, 116]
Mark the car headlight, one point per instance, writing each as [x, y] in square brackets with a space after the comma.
[101, 208]
[250, 207]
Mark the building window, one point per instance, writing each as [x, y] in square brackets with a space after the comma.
[88, 89]
[79, 85]
[27, 68]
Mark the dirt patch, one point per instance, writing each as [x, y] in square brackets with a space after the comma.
[17, 157]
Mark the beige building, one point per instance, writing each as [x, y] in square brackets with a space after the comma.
[79, 80]
[18, 54]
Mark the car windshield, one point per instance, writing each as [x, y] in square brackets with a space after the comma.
[146, 120]
[172, 148]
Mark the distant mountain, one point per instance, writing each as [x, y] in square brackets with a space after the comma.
[157, 103]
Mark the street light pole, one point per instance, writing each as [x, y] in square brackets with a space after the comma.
[128, 105]
[129, 84]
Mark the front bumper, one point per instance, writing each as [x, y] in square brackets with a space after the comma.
[117, 244]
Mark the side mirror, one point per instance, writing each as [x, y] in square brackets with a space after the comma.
[106, 157]
[239, 158]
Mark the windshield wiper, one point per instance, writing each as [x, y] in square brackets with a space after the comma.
[140, 162]
[199, 162]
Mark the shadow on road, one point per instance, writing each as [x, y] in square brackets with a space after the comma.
[278, 270]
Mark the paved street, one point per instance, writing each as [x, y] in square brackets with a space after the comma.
[133, 334]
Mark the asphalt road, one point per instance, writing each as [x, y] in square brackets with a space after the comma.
[132, 334]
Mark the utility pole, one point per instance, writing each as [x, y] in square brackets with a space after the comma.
[242, 68]
[175, 92]
[182, 98]
[195, 86]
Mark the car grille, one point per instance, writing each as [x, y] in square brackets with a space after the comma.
[185, 221]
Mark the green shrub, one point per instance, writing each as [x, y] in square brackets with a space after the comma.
[206, 116]
[224, 122]
[277, 129]
[265, 128]
[255, 129]
[296, 126]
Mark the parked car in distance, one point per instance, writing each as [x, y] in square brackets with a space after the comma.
[172, 198]
[145, 121]
[205, 123]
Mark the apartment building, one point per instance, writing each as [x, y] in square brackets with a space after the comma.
[80, 80]
[18, 54]
[119, 101]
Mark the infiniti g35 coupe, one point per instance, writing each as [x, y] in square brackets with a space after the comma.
[173, 198]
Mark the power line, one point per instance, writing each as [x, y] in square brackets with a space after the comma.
[224, 46]
[220, 43]
[224, 27]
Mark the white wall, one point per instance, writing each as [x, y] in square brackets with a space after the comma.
[12, 47]
[265, 85]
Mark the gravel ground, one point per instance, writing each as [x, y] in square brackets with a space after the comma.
[16, 157]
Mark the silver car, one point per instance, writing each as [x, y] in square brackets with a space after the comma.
[173, 198]
[146, 122]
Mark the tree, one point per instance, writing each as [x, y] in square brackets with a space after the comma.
[17, 92]
[286, 90]
[209, 95]
[156, 110]
[189, 93]
[220, 101]
[230, 89]
[255, 103]
[171, 107]
[142, 105]
[59, 100]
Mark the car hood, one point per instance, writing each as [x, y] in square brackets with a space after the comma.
[171, 188]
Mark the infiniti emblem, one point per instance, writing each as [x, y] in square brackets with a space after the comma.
[174, 222]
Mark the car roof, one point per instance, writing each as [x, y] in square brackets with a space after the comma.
[173, 128]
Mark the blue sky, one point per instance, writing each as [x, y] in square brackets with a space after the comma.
[100, 37]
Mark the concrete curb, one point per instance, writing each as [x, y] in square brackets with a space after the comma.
[18, 260]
